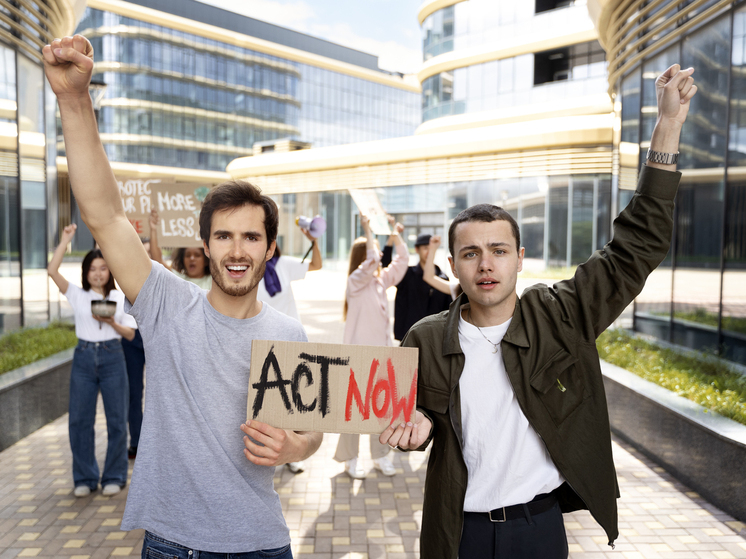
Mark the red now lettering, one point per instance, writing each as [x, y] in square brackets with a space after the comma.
[373, 391]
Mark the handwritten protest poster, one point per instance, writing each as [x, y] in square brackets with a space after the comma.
[178, 208]
[135, 194]
[331, 388]
[369, 205]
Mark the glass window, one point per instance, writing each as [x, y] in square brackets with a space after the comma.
[734, 277]
[557, 221]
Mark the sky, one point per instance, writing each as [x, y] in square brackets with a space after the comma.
[385, 28]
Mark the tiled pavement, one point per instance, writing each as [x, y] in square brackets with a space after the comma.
[331, 516]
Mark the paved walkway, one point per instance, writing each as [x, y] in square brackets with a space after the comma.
[331, 516]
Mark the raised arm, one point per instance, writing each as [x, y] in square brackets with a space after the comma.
[428, 271]
[155, 248]
[68, 64]
[388, 248]
[611, 278]
[54, 264]
[395, 271]
[316, 261]
[359, 278]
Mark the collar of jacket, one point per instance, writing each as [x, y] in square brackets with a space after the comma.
[515, 335]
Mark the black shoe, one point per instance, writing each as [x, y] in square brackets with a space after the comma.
[132, 452]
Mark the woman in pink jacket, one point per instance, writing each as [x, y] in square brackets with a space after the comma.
[366, 315]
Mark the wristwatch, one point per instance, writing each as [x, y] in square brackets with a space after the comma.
[663, 158]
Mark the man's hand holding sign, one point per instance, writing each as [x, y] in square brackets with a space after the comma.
[331, 388]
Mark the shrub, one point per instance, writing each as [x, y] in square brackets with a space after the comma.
[709, 383]
[25, 346]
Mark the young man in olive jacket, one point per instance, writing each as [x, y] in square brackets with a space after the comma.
[510, 389]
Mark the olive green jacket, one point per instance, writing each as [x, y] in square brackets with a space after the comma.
[551, 359]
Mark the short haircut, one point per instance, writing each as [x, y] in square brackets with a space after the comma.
[235, 194]
[486, 213]
[87, 261]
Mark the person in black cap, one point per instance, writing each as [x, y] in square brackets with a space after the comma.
[415, 299]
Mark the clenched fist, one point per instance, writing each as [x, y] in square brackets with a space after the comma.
[68, 64]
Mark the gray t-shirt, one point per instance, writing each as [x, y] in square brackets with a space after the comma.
[191, 482]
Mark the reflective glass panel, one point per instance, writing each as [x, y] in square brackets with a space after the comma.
[33, 192]
[699, 204]
[10, 203]
[734, 276]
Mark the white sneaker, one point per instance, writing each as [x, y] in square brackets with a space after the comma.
[295, 467]
[82, 491]
[111, 489]
[353, 470]
[385, 466]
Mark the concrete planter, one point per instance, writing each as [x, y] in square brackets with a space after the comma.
[34, 395]
[704, 450]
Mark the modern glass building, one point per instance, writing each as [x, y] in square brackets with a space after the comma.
[190, 87]
[28, 176]
[697, 298]
[515, 112]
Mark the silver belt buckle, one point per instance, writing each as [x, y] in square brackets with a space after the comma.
[497, 519]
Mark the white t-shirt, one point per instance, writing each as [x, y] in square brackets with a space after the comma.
[205, 282]
[288, 269]
[507, 461]
[88, 328]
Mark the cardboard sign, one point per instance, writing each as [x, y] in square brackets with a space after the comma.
[331, 388]
[369, 205]
[135, 195]
[178, 208]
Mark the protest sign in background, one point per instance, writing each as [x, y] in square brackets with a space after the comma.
[135, 195]
[331, 388]
[369, 205]
[178, 208]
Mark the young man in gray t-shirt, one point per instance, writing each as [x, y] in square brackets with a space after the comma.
[192, 490]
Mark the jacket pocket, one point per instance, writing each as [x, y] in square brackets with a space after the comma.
[433, 399]
[560, 386]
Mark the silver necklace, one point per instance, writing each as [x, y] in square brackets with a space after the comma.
[496, 346]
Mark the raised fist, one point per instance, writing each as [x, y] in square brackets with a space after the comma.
[68, 64]
[674, 89]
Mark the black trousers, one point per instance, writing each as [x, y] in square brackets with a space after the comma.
[541, 536]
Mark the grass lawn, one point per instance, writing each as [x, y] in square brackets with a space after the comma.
[21, 347]
[706, 382]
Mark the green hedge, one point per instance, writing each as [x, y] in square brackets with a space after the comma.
[704, 381]
[23, 347]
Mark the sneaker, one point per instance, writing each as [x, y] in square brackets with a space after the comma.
[385, 466]
[82, 491]
[132, 452]
[354, 470]
[111, 489]
[295, 467]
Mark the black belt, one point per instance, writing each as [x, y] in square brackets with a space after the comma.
[539, 504]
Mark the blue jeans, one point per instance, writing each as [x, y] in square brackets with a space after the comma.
[155, 547]
[134, 356]
[98, 366]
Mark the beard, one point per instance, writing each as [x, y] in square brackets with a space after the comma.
[241, 289]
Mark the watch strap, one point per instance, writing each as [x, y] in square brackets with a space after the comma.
[663, 158]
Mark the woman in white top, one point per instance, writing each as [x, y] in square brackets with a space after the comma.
[190, 264]
[98, 364]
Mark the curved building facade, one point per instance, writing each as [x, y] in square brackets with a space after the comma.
[529, 64]
[28, 176]
[191, 87]
[515, 111]
[697, 298]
